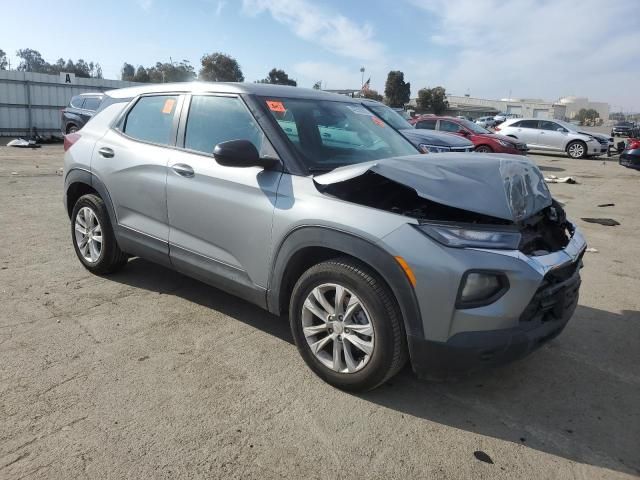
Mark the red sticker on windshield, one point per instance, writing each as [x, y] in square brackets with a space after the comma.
[276, 106]
[377, 121]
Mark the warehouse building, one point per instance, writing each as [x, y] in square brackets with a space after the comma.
[481, 107]
[31, 102]
[575, 104]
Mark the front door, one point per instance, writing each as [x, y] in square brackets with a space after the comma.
[220, 217]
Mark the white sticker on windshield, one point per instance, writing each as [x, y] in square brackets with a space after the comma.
[359, 110]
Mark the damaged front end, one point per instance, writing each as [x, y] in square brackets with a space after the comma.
[460, 201]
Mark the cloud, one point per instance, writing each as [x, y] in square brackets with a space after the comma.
[321, 26]
[145, 4]
[220, 6]
[535, 48]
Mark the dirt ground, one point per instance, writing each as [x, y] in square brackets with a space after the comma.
[149, 374]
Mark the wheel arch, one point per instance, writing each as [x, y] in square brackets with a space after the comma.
[79, 182]
[308, 245]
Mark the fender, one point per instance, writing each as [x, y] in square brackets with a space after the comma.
[359, 248]
[79, 175]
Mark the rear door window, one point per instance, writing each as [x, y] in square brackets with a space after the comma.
[527, 124]
[91, 103]
[151, 119]
[426, 124]
[214, 120]
[448, 126]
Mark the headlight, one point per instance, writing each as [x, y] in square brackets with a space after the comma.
[433, 148]
[459, 237]
[505, 144]
[480, 288]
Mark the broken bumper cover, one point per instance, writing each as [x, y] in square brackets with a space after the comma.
[466, 352]
[631, 158]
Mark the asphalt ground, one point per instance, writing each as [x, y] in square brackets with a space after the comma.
[149, 374]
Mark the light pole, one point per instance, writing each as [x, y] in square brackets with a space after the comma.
[362, 80]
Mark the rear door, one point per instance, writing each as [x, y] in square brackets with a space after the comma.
[131, 160]
[427, 124]
[220, 217]
[526, 131]
[551, 135]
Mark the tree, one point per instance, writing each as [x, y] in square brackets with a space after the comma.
[396, 91]
[278, 77]
[171, 72]
[317, 85]
[31, 61]
[218, 67]
[372, 94]
[128, 72]
[587, 115]
[433, 100]
[3, 60]
[141, 75]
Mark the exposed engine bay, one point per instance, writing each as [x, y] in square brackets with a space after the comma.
[543, 232]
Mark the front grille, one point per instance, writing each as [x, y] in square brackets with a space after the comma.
[461, 149]
[557, 296]
[522, 146]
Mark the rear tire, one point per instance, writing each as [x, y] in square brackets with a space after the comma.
[335, 346]
[93, 238]
[577, 149]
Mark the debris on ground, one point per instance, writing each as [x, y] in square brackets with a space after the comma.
[22, 143]
[554, 179]
[607, 205]
[591, 250]
[483, 457]
[607, 222]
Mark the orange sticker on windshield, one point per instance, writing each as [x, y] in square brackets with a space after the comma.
[276, 106]
[169, 103]
[377, 121]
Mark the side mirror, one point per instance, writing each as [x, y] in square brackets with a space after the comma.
[561, 129]
[463, 132]
[241, 153]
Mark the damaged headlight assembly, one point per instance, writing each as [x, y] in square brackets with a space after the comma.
[426, 148]
[467, 237]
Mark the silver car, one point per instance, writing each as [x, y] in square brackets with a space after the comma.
[554, 135]
[486, 122]
[309, 204]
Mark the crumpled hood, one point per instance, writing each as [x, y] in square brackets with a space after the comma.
[500, 186]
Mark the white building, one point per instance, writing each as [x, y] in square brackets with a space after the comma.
[575, 104]
[522, 107]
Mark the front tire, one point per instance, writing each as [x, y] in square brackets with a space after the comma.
[484, 149]
[93, 238]
[347, 325]
[577, 149]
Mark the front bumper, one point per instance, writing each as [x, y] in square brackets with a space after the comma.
[630, 158]
[466, 352]
[542, 296]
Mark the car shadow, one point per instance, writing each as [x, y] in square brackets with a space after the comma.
[563, 400]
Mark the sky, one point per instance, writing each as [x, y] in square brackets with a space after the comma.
[485, 48]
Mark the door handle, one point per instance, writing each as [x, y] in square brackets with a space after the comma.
[183, 169]
[106, 152]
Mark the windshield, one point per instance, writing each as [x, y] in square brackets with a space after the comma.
[624, 124]
[330, 134]
[390, 116]
[474, 127]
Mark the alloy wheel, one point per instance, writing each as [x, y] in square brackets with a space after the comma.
[88, 234]
[576, 150]
[338, 328]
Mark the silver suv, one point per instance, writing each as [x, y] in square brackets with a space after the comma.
[309, 203]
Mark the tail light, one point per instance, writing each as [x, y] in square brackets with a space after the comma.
[497, 129]
[70, 139]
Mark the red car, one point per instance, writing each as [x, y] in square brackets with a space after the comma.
[484, 140]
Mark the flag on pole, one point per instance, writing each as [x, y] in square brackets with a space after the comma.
[365, 87]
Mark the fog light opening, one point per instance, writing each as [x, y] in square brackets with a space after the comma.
[480, 288]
